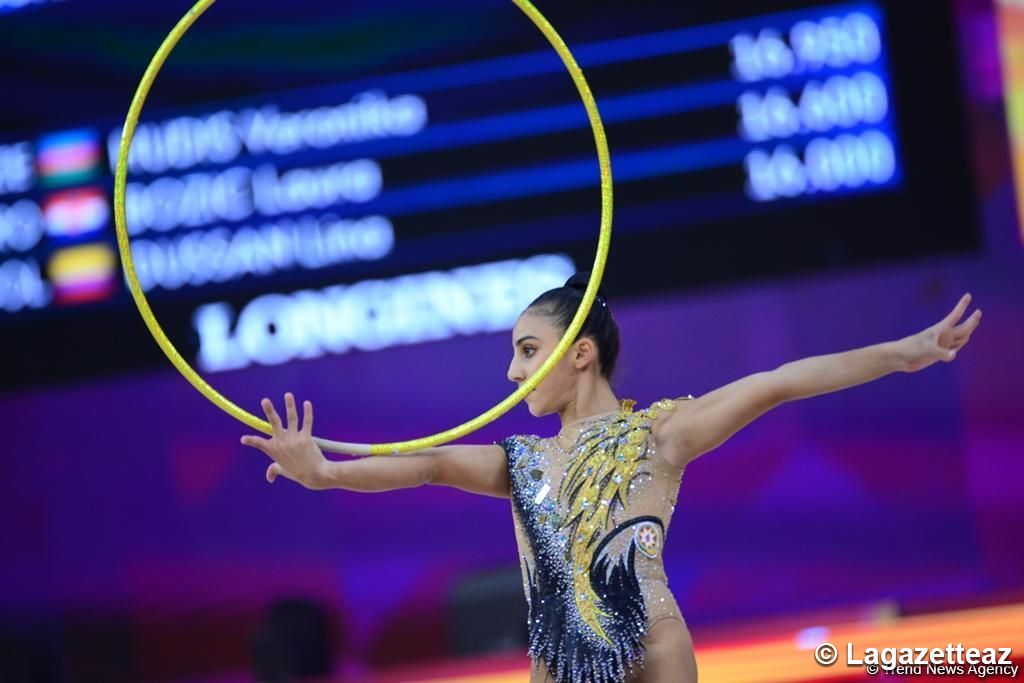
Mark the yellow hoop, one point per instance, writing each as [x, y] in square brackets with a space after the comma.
[120, 180]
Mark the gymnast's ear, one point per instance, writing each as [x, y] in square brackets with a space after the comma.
[584, 353]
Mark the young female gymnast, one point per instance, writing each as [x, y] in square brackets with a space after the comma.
[592, 504]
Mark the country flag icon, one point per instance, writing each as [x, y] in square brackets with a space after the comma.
[83, 274]
[70, 213]
[69, 157]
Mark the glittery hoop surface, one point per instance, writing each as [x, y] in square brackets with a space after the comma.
[597, 271]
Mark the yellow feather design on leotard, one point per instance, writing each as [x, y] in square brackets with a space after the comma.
[604, 463]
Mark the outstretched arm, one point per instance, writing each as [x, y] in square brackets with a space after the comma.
[703, 424]
[477, 469]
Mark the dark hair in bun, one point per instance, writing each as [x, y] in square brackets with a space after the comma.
[579, 282]
[560, 305]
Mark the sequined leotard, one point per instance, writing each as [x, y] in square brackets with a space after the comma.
[592, 508]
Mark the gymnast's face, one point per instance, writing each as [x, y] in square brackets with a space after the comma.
[533, 340]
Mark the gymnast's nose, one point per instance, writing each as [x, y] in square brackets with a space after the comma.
[514, 374]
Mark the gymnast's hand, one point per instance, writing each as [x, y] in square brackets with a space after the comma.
[941, 341]
[293, 451]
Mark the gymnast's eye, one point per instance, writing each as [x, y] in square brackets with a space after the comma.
[528, 351]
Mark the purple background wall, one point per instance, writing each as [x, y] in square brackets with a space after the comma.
[133, 494]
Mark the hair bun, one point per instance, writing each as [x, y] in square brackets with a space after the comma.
[579, 282]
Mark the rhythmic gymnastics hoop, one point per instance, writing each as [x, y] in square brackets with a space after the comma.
[597, 271]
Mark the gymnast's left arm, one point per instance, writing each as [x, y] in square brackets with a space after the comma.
[701, 425]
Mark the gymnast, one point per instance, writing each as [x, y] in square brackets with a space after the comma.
[592, 504]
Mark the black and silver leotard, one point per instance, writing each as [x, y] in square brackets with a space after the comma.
[592, 508]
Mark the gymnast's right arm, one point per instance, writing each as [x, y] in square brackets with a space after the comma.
[477, 469]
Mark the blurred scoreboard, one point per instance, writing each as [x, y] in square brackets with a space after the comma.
[400, 207]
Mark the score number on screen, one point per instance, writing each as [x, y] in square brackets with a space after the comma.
[819, 93]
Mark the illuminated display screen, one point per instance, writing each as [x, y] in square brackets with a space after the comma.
[15, 5]
[437, 197]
